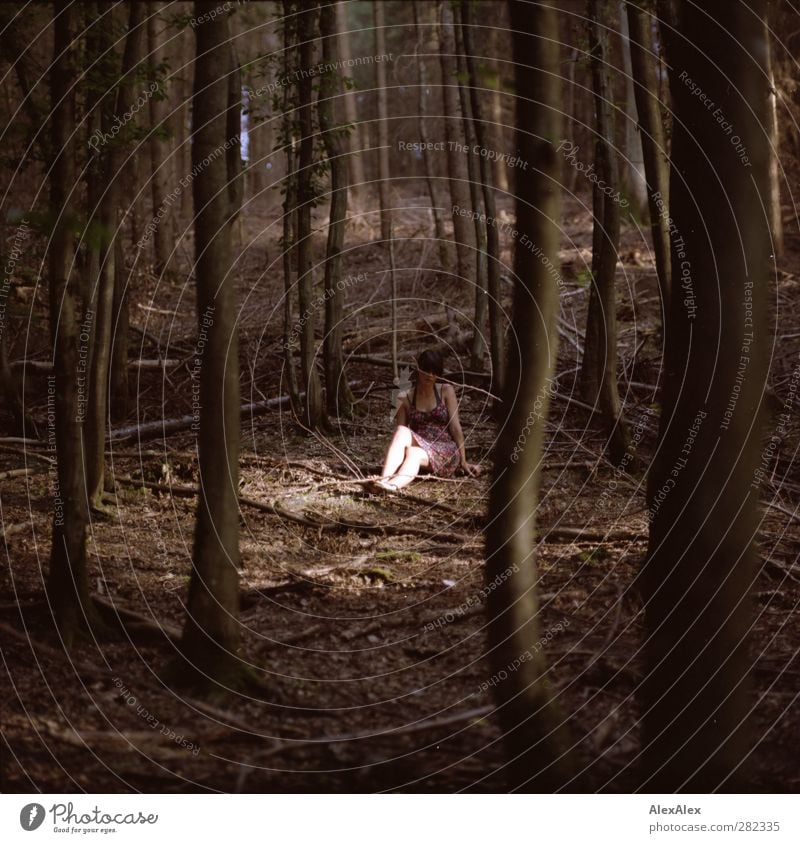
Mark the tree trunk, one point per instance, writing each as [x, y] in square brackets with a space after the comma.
[289, 207]
[634, 182]
[383, 124]
[654, 149]
[776, 221]
[210, 641]
[497, 130]
[355, 158]
[118, 380]
[114, 108]
[534, 728]
[339, 396]
[306, 37]
[599, 367]
[430, 176]
[695, 699]
[160, 162]
[496, 312]
[387, 234]
[68, 580]
[478, 342]
[233, 137]
[456, 165]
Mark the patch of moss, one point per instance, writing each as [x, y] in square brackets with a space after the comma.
[399, 555]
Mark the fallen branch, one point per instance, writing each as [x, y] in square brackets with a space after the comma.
[18, 472]
[582, 534]
[151, 430]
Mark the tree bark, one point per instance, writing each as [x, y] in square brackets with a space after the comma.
[338, 394]
[654, 148]
[210, 643]
[306, 37]
[534, 729]
[68, 580]
[703, 485]
[456, 165]
[599, 366]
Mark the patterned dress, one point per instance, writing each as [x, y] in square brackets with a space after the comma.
[430, 431]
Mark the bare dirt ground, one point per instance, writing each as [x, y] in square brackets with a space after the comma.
[364, 614]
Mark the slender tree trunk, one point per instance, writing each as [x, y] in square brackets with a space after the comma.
[634, 182]
[186, 97]
[497, 131]
[10, 387]
[210, 642]
[695, 698]
[339, 396]
[306, 36]
[95, 24]
[599, 368]
[478, 342]
[233, 137]
[651, 129]
[456, 165]
[776, 221]
[430, 177]
[289, 207]
[115, 107]
[68, 580]
[356, 157]
[496, 313]
[160, 163]
[384, 176]
[534, 728]
[118, 380]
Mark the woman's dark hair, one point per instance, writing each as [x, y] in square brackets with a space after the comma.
[431, 361]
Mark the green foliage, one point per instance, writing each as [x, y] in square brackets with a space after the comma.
[595, 556]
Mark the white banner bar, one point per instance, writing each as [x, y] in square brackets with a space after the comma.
[401, 818]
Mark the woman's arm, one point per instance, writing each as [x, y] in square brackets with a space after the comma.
[454, 427]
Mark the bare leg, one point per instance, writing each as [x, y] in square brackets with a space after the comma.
[403, 439]
[416, 458]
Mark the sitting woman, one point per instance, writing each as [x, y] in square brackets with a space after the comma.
[428, 433]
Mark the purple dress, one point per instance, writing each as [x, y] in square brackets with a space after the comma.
[432, 434]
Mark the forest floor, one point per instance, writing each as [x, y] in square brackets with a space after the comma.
[364, 614]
